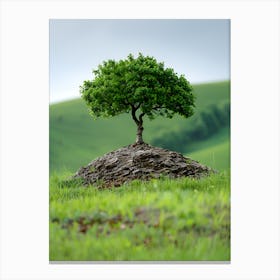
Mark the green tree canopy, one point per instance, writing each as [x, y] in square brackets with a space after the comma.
[140, 86]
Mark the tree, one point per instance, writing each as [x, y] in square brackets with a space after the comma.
[140, 86]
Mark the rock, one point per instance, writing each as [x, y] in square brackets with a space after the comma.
[141, 162]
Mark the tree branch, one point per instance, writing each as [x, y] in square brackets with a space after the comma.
[133, 113]
[138, 106]
[158, 107]
[141, 118]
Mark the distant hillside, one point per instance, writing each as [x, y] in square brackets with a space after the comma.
[215, 151]
[76, 138]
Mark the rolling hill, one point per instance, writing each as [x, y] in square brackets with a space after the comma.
[76, 138]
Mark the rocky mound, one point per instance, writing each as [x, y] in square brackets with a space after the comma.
[140, 161]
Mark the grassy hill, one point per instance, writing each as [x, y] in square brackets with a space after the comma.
[214, 152]
[76, 138]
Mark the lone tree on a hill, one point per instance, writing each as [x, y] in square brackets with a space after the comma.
[140, 86]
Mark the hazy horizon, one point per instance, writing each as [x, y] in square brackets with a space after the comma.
[78, 97]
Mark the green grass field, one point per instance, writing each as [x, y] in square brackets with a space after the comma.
[160, 220]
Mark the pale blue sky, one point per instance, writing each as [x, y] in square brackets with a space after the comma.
[199, 49]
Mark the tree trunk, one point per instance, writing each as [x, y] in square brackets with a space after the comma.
[139, 138]
[139, 123]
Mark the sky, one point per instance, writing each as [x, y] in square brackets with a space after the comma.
[199, 49]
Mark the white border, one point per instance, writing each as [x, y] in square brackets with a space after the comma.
[254, 142]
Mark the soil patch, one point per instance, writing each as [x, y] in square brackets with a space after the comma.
[139, 161]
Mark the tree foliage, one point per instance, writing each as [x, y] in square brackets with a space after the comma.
[140, 86]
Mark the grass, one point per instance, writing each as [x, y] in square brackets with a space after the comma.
[165, 220]
[76, 138]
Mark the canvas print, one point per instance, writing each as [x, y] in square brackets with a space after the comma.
[139, 165]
